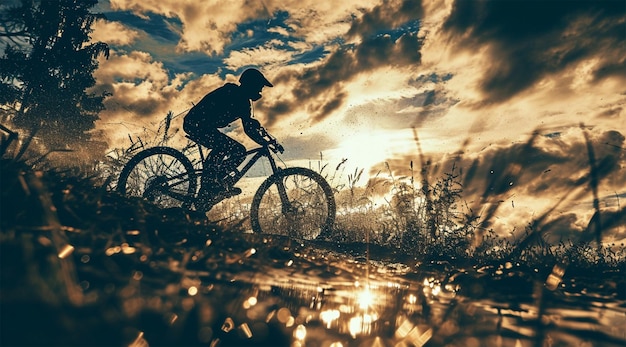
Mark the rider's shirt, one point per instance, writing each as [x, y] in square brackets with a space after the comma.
[219, 108]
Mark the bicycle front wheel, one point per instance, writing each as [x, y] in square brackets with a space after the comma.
[295, 202]
[162, 175]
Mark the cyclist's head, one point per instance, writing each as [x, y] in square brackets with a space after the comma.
[254, 81]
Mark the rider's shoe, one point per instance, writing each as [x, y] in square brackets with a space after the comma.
[203, 203]
[209, 197]
[229, 191]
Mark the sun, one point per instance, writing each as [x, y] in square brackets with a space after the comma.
[366, 149]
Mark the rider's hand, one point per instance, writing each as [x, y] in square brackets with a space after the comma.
[278, 147]
[275, 146]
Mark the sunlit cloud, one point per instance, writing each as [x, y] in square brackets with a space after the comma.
[143, 93]
[113, 33]
[136, 65]
[261, 56]
[208, 26]
[452, 81]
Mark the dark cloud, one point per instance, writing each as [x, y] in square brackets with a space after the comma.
[330, 105]
[544, 163]
[387, 15]
[145, 107]
[613, 112]
[381, 113]
[530, 39]
[339, 67]
[161, 28]
[345, 64]
[399, 45]
[612, 69]
[543, 166]
[614, 141]
[562, 229]
[568, 227]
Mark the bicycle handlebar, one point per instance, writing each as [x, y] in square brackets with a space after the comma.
[272, 143]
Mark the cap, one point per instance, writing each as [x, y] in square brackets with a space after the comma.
[254, 76]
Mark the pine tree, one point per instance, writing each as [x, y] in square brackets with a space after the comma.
[47, 68]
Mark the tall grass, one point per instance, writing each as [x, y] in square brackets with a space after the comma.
[424, 217]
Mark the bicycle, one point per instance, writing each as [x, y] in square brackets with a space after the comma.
[294, 201]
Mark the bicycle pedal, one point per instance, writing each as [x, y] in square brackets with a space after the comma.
[199, 214]
[232, 191]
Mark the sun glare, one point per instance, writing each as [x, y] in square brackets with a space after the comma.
[364, 150]
[365, 299]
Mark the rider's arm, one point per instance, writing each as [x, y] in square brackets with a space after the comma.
[251, 127]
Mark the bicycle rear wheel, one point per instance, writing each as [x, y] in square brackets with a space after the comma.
[162, 175]
[295, 202]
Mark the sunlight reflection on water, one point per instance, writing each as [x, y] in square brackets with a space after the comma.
[292, 294]
[432, 310]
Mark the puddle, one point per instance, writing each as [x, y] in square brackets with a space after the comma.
[232, 289]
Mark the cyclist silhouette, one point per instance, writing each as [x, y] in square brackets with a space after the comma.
[216, 111]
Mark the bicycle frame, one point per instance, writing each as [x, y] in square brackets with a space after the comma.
[252, 156]
[170, 178]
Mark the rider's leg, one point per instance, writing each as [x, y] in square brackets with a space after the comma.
[209, 138]
[226, 155]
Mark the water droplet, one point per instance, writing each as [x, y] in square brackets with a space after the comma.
[228, 325]
[139, 341]
[137, 275]
[66, 251]
[283, 315]
[250, 252]
[245, 330]
[300, 332]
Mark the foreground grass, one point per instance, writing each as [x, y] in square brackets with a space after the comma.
[428, 221]
[84, 266]
[81, 265]
[409, 226]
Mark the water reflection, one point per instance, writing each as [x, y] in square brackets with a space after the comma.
[237, 295]
[380, 313]
[430, 310]
[294, 295]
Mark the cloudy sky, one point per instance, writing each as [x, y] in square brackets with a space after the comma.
[509, 92]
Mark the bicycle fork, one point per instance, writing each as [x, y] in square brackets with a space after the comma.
[287, 207]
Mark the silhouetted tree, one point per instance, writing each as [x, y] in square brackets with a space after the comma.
[47, 68]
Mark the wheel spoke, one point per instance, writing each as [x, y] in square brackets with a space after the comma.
[304, 211]
[160, 174]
